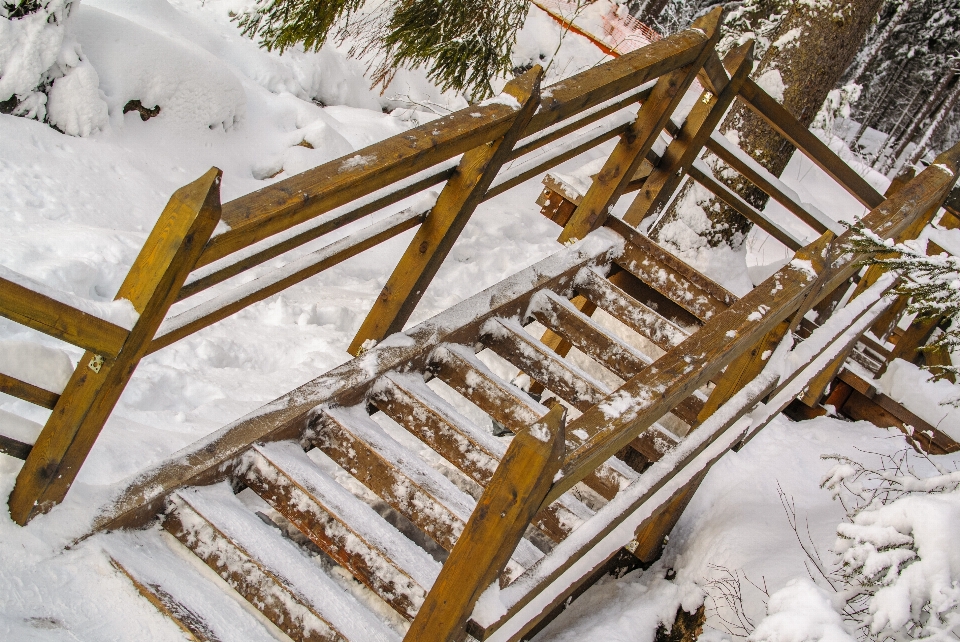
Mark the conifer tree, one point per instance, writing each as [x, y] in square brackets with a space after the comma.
[462, 44]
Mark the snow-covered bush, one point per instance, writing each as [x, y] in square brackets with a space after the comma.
[900, 562]
[43, 73]
[838, 105]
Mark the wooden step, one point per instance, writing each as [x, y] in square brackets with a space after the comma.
[289, 588]
[411, 403]
[633, 314]
[349, 531]
[507, 338]
[428, 499]
[460, 368]
[197, 605]
[559, 315]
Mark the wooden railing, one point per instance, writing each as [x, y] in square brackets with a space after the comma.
[182, 257]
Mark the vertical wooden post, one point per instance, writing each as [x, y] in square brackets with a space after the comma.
[696, 129]
[609, 185]
[440, 230]
[505, 509]
[152, 284]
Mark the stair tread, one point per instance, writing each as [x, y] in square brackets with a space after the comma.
[192, 600]
[357, 421]
[282, 559]
[353, 512]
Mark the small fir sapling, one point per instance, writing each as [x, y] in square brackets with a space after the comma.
[931, 282]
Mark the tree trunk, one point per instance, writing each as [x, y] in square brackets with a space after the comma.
[869, 53]
[942, 114]
[815, 44]
[935, 98]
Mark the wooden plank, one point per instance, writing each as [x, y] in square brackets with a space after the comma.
[687, 145]
[508, 339]
[559, 315]
[650, 535]
[210, 278]
[28, 392]
[229, 303]
[151, 285]
[461, 370]
[49, 316]
[14, 447]
[882, 411]
[800, 137]
[687, 273]
[409, 402]
[626, 157]
[628, 310]
[701, 173]
[344, 527]
[443, 225]
[494, 529]
[735, 330]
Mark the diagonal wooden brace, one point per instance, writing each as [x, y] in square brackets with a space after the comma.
[443, 225]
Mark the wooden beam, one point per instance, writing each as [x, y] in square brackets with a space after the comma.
[28, 392]
[151, 286]
[816, 150]
[14, 447]
[440, 230]
[623, 162]
[687, 145]
[495, 528]
[49, 316]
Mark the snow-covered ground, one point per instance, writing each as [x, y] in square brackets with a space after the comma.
[75, 211]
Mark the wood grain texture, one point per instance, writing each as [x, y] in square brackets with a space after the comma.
[493, 530]
[28, 392]
[151, 286]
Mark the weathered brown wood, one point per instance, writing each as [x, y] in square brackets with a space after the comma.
[28, 392]
[742, 370]
[696, 129]
[507, 405]
[563, 318]
[322, 521]
[800, 137]
[880, 410]
[49, 316]
[713, 289]
[210, 279]
[628, 310]
[513, 343]
[626, 157]
[702, 175]
[913, 339]
[229, 303]
[736, 329]
[151, 285]
[14, 447]
[440, 230]
[652, 532]
[493, 531]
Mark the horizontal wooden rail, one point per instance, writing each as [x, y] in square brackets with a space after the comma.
[49, 316]
[14, 447]
[229, 303]
[28, 392]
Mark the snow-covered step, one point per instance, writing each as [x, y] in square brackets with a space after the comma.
[288, 587]
[411, 403]
[623, 307]
[344, 527]
[460, 368]
[179, 591]
[559, 315]
[402, 479]
[507, 338]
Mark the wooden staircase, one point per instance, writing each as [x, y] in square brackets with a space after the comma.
[394, 467]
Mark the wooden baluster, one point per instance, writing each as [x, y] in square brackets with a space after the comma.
[440, 230]
[503, 513]
[623, 163]
[152, 284]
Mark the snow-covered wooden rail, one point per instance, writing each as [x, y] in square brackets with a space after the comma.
[383, 464]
